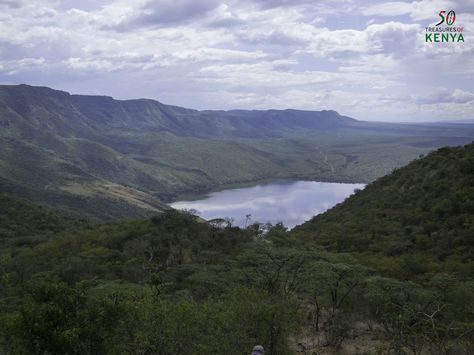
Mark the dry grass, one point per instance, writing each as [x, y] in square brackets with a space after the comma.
[112, 191]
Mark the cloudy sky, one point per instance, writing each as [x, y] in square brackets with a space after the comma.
[365, 59]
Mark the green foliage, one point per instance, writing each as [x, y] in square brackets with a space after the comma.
[230, 324]
[414, 226]
[174, 284]
[418, 219]
[21, 219]
[419, 319]
[56, 319]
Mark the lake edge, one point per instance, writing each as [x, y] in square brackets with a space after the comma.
[195, 196]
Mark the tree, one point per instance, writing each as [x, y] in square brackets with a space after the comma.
[58, 319]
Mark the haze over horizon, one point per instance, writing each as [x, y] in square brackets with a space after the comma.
[364, 60]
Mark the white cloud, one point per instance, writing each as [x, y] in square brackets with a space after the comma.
[375, 63]
[243, 54]
[25, 64]
[417, 10]
[443, 96]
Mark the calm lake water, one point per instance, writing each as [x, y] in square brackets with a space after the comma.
[290, 202]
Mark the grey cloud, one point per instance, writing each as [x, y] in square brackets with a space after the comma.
[270, 38]
[224, 16]
[226, 22]
[14, 4]
[394, 37]
[465, 5]
[396, 8]
[418, 10]
[25, 64]
[276, 3]
[168, 12]
[445, 96]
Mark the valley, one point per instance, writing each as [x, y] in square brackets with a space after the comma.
[387, 271]
[96, 157]
[89, 243]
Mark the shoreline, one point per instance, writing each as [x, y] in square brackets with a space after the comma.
[201, 193]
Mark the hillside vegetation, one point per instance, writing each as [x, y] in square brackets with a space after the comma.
[20, 220]
[417, 218]
[173, 284]
[96, 157]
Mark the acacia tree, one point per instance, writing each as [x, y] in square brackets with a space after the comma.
[333, 287]
[277, 272]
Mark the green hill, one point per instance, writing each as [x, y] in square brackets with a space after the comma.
[96, 157]
[420, 214]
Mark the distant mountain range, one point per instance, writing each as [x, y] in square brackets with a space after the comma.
[98, 157]
[26, 108]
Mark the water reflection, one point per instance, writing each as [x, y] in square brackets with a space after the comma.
[290, 202]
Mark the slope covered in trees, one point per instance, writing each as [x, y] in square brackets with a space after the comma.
[22, 222]
[417, 216]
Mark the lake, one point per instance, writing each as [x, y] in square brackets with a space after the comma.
[289, 202]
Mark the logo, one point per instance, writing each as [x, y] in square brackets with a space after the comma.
[446, 33]
[449, 19]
